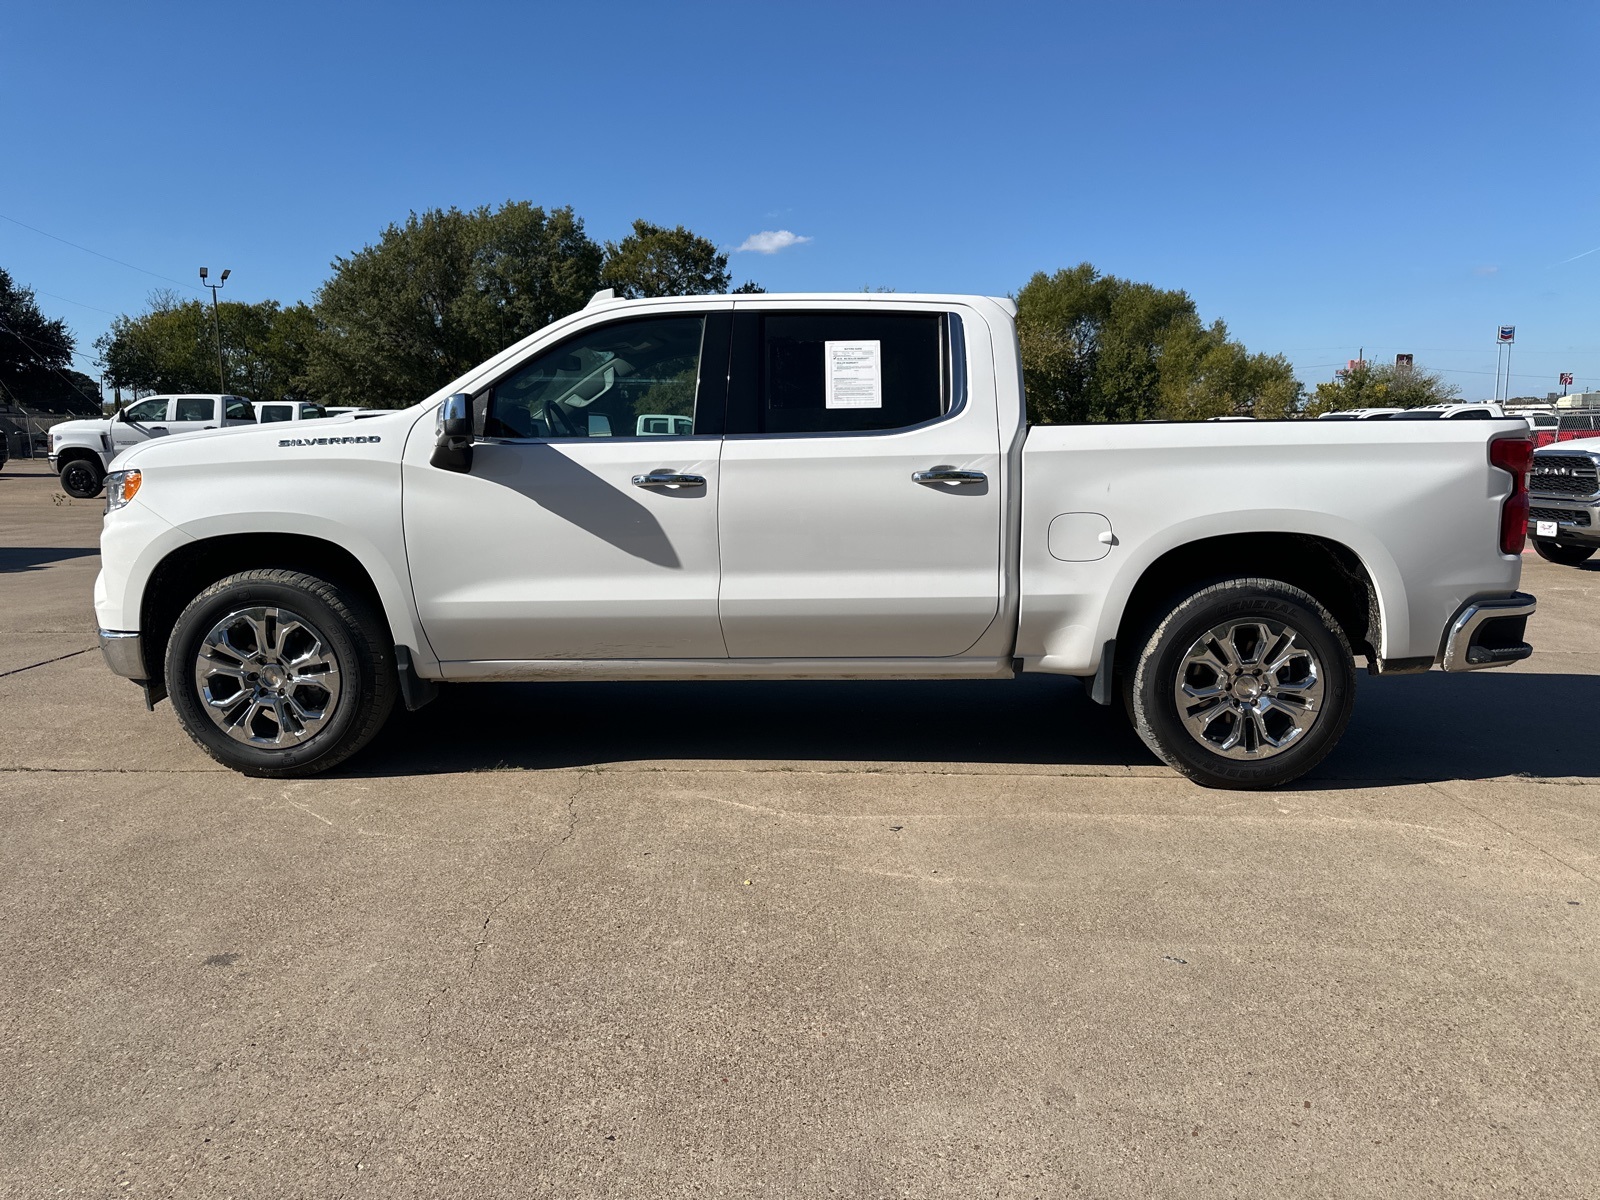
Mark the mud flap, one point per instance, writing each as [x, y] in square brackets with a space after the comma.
[414, 690]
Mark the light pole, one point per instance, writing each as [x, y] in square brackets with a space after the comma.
[216, 318]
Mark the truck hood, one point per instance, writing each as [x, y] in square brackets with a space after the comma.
[245, 443]
[1575, 447]
[87, 427]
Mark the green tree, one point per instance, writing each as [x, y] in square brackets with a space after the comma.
[748, 288]
[172, 347]
[441, 293]
[1099, 348]
[36, 357]
[656, 261]
[1381, 385]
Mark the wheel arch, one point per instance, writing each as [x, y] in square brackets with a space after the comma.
[1325, 568]
[187, 570]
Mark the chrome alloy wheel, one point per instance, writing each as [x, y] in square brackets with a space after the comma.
[1249, 689]
[267, 677]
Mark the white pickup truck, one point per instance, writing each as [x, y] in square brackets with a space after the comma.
[81, 451]
[804, 486]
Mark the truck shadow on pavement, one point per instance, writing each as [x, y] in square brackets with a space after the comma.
[1422, 727]
[32, 558]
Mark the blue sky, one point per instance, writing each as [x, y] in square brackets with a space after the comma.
[1323, 177]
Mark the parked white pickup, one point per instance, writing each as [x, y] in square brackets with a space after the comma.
[839, 486]
[81, 451]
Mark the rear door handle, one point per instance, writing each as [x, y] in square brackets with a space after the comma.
[668, 479]
[949, 476]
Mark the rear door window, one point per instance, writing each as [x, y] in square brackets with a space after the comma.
[195, 408]
[839, 372]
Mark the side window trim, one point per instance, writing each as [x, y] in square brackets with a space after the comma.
[744, 388]
[711, 390]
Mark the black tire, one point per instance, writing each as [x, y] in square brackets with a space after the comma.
[356, 642]
[1566, 556]
[82, 479]
[1150, 689]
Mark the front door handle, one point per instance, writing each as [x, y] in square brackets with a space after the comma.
[668, 479]
[949, 476]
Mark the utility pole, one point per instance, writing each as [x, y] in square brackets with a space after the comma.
[216, 317]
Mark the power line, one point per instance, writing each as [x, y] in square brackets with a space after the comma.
[97, 254]
[79, 303]
[92, 400]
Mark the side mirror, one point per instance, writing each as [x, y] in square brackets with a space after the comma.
[452, 450]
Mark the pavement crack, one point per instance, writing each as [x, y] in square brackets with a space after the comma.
[483, 933]
[1512, 833]
[46, 662]
[572, 825]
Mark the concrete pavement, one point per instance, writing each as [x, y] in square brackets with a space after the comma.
[790, 940]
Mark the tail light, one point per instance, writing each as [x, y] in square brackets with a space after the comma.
[1513, 455]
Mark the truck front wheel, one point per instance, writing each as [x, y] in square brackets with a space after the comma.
[82, 479]
[1247, 683]
[277, 673]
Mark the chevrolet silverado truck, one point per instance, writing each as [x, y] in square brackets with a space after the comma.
[81, 451]
[1564, 500]
[800, 487]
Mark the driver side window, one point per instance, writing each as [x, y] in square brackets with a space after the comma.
[147, 410]
[627, 379]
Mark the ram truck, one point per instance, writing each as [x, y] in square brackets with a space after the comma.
[797, 487]
[1564, 499]
[81, 451]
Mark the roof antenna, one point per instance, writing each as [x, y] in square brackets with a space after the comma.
[601, 297]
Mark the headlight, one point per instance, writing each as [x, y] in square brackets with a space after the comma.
[121, 486]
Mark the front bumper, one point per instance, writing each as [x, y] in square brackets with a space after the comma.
[1577, 521]
[124, 653]
[1489, 633]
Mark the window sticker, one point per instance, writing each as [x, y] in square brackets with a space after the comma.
[855, 374]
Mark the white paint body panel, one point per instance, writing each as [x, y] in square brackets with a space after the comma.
[240, 480]
[831, 550]
[1416, 501]
[547, 551]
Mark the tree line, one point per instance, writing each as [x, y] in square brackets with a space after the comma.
[447, 289]
[431, 298]
[36, 354]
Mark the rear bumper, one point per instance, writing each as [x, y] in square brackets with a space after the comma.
[1489, 633]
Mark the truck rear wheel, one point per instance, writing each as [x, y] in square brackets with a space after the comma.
[1567, 556]
[82, 479]
[1247, 683]
[280, 674]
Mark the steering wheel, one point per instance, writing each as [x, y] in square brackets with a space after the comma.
[556, 419]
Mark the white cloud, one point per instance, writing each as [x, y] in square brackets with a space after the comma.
[770, 241]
